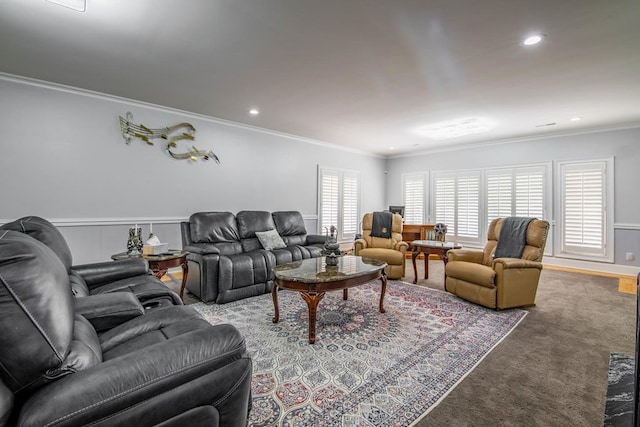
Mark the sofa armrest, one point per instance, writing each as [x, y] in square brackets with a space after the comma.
[201, 248]
[106, 311]
[402, 246]
[467, 255]
[516, 263]
[316, 239]
[209, 366]
[185, 232]
[107, 272]
[359, 245]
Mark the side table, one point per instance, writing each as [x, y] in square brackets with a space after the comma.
[160, 263]
[430, 247]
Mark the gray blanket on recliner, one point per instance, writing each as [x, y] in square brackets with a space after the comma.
[513, 237]
[381, 226]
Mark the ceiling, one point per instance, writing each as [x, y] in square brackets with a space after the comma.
[363, 74]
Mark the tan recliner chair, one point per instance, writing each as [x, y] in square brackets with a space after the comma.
[393, 251]
[501, 282]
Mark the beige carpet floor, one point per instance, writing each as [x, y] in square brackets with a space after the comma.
[552, 369]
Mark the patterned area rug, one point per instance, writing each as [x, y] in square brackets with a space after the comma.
[366, 368]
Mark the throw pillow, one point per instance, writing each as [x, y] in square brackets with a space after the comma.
[270, 239]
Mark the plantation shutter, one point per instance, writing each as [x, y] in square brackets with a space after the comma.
[339, 202]
[583, 208]
[468, 207]
[529, 195]
[499, 194]
[350, 205]
[445, 200]
[414, 199]
[329, 198]
[456, 202]
[516, 192]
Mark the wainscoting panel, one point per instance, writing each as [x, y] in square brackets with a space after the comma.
[95, 240]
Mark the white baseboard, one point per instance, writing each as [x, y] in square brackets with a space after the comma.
[623, 270]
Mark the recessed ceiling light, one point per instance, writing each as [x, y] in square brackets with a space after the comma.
[533, 39]
[454, 128]
[254, 112]
[392, 148]
[79, 5]
[576, 119]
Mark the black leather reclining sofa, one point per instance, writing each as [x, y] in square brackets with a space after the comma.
[103, 278]
[167, 366]
[227, 262]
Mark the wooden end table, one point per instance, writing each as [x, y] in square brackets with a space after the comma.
[430, 247]
[160, 263]
[313, 278]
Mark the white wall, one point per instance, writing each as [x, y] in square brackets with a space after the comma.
[623, 145]
[63, 158]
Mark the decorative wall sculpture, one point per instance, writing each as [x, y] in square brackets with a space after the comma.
[131, 130]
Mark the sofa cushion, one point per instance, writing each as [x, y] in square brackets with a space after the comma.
[289, 223]
[45, 232]
[37, 311]
[478, 274]
[270, 239]
[213, 227]
[248, 223]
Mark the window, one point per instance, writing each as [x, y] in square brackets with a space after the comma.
[339, 201]
[586, 209]
[516, 192]
[414, 198]
[456, 202]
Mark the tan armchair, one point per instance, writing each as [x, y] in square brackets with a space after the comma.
[393, 251]
[501, 282]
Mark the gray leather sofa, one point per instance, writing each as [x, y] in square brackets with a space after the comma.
[227, 262]
[166, 367]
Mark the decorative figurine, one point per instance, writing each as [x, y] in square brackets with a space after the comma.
[331, 247]
[134, 244]
[440, 230]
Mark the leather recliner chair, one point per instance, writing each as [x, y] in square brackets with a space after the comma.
[498, 283]
[167, 367]
[130, 275]
[393, 251]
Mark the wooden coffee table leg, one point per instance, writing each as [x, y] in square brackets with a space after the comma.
[345, 294]
[185, 273]
[383, 278]
[274, 297]
[415, 270]
[426, 265]
[312, 300]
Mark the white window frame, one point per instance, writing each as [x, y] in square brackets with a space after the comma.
[605, 253]
[409, 216]
[454, 232]
[342, 203]
[513, 171]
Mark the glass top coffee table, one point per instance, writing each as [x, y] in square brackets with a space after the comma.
[313, 278]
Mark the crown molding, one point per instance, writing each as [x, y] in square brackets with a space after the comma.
[132, 102]
[597, 129]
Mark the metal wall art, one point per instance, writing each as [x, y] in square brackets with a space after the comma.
[131, 130]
